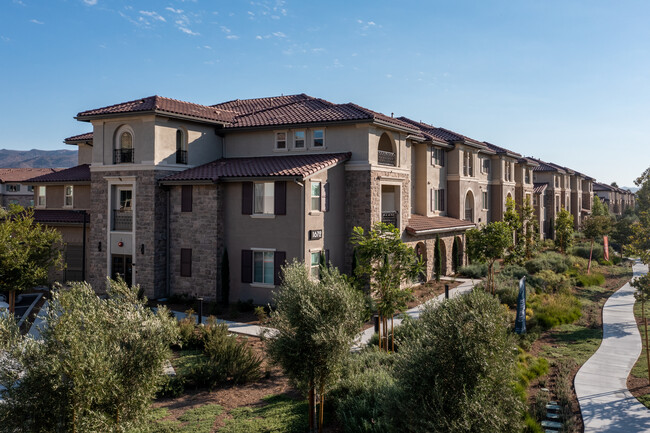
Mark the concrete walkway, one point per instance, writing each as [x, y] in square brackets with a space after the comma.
[465, 286]
[601, 383]
[234, 327]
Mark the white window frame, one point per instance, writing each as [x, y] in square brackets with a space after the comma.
[43, 202]
[485, 198]
[277, 139]
[314, 268]
[316, 198]
[119, 198]
[266, 208]
[66, 196]
[296, 139]
[263, 251]
[313, 138]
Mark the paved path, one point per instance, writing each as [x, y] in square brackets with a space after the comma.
[235, 327]
[465, 286]
[601, 383]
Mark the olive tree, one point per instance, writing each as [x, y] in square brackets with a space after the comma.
[489, 244]
[594, 227]
[564, 229]
[316, 322]
[388, 263]
[27, 251]
[97, 368]
[457, 375]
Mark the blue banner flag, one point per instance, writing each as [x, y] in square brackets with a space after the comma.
[520, 322]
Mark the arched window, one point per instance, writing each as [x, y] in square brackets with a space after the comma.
[469, 206]
[123, 150]
[385, 152]
[181, 147]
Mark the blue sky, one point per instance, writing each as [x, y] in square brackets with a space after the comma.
[562, 80]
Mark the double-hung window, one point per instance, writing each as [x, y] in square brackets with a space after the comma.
[13, 187]
[318, 138]
[485, 166]
[68, 197]
[41, 196]
[438, 200]
[316, 196]
[486, 199]
[527, 171]
[299, 139]
[263, 267]
[437, 157]
[280, 140]
[314, 266]
[263, 198]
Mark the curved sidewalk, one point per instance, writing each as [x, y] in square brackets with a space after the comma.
[601, 383]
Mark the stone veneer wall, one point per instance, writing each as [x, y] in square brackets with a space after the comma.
[23, 200]
[202, 231]
[150, 226]
[357, 208]
[447, 246]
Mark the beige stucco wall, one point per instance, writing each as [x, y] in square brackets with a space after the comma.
[84, 154]
[203, 143]
[105, 136]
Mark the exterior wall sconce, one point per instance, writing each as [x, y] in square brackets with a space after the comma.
[99, 246]
[142, 248]
[120, 244]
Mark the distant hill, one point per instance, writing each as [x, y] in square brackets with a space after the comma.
[631, 188]
[38, 158]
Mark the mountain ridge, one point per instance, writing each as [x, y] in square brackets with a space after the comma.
[36, 158]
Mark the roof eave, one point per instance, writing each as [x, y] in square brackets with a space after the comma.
[440, 230]
[89, 118]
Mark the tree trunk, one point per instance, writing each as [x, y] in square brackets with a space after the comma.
[311, 406]
[379, 322]
[322, 406]
[386, 333]
[12, 301]
[591, 251]
[392, 334]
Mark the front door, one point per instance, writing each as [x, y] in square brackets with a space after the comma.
[122, 266]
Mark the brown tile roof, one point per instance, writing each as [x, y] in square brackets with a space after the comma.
[546, 166]
[45, 216]
[250, 106]
[79, 173]
[528, 161]
[265, 166]
[501, 150]
[443, 134]
[22, 174]
[603, 187]
[88, 136]
[159, 104]
[539, 188]
[420, 224]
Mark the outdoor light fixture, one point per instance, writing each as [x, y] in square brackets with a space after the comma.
[142, 248]
[99, 246]
[120, 244]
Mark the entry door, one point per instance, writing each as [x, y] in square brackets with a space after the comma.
[122, 266]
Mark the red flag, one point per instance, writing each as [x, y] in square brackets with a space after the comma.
[606, 247]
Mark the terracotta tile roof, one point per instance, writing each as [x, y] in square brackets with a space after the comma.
[88, 136]
[603, 187]
[420, 224]
[22, 174]
[250, 106]
[501, 150]
[79, 173]
[441, 133]
[546, 166]
[45, 216]
[539, 188]
[528, 161]
[159, 104]
[265, 166]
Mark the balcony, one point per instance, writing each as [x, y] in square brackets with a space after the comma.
[389, 217]
[181, 157]
[386, 158]
[121, 156]
[122, 220]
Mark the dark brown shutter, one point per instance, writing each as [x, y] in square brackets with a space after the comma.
[247, 198]
[186, 198]
[186, 262]
[327, 257]
[325, 197]
[280, 201]
[278, 261]
[442, 200]
[246, 266]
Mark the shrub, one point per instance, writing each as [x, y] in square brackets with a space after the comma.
[172, 387]
[405, 331]
[550, 282]
[548, 244]
[549, 260]
[594, 279]
[554, 310]
[616, 260]
[476, 270]
[604, 262]
[189, 338]
[512, 272]
[582, 250]
[507, 293]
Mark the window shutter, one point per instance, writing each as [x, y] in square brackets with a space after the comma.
[433, 204]
[442, 200]
[246, 266]
[186, 198]
[280, 199]
[325, 197]
[247, 198]
[327, 257]
[186, 262]
[278, 261]
[442, 157]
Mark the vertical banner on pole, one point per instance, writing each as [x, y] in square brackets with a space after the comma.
[520, 321]
[606, 247]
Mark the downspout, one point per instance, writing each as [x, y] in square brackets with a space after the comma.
[167, 235]
[304, 216]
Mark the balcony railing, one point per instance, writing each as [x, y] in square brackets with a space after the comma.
[386, 158]
[389, 217]
[181, 157]
[121, 156]
[122, 220]
[469, 215]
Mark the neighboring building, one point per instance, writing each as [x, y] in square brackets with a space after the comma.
[616, 199]
[174, 185]
[14, 190]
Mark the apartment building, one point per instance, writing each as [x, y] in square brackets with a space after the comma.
[616, 199]
[168, 187]
[13, 186]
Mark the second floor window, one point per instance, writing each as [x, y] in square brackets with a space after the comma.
[486, 199]
[41, 196]
[318, 138]
[527, 175]
[468, 164]
[13, 187]
[299, 139]
[437, 157]
[263, 198]
[438, 200]
[68, 199]
[315, 196]
[181, 147]
[263, 267]
[281, 140]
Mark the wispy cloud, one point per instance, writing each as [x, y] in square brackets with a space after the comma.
[175, 11]
[232, 37]
[279, 35]
[5, 39]
[367, 25]
[20, 2]
[187, 31]
[36, 21]
[153, 15]
[90, 2]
